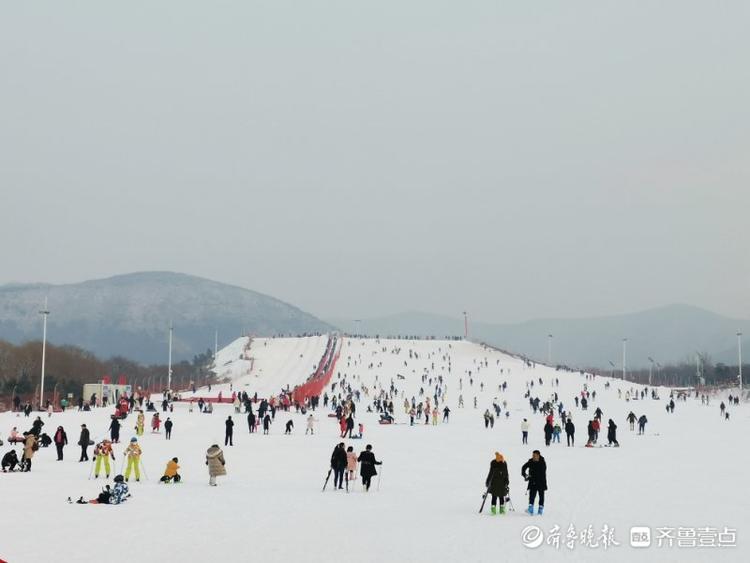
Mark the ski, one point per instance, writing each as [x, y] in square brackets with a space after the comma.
[327, 477]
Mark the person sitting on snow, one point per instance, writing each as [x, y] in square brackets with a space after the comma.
[170, 473]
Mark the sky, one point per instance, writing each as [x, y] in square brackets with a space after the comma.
[515, 160]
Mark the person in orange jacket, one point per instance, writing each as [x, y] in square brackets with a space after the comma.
[170, 473]
[102, 452]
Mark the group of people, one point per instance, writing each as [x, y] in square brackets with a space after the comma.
[534, 472]
[344, 466]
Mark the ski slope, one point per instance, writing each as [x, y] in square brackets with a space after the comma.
[266, 365]
[688, 470]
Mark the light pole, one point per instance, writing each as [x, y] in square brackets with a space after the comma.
[169, 371]
[624, 357]
[650, 370]
[466, 326]
[549, 349]
[739, 357]
[45, 313]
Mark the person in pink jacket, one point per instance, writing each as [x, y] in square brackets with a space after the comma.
[351, 463]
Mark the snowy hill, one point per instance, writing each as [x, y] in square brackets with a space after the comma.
[685, 472]
[129, 315]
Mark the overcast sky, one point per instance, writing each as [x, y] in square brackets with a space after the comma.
[513, 159]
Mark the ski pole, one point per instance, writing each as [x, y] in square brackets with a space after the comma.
[143, 467]
[91, 472]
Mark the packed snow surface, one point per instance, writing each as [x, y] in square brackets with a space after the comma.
[688, 471]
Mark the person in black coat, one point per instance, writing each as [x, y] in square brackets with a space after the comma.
[229, 423]
[84, 443]
[497, 482]
[168, 428]
[251, 421]
[548, 429]
[367, 463]
[570, 431]
[338, 464]
[10, 461]
[114, 430]
[535, 472]
[612, 434]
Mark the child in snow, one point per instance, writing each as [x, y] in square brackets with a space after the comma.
[170, 473]
[133, 453]
[351, 463]
[102, 453]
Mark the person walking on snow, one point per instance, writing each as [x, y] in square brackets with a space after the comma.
[524, 431]
[612, 434]
[351, 463]
[289, 426]
[168, 428]
[133, 453]
[83, 441]
[114, 430]
[216, 464]
[535, 472]
[498, 483]
[570, 431]
[446, 414]
[102, 452]
[338, 464]
[367, 466]
[229, 424]
[642, 424]
[139, 423]
[547, 433]
[310, 425]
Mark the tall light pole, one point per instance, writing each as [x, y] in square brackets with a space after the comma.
[739, 357]
[624, 357]
[650, 369]
[466, 326]
[169, 373]
[549, 349]
[45, 313]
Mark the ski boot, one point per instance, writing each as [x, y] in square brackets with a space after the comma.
[541, 511]
[530, 510]
[501, 509]
[493, 509]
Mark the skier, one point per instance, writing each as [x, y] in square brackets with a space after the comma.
[631, 419]
[229, 424]
[642, 424]
[61, 440]
[570, 431]
[168, 428]
[139, 423]
[497, 483]
[612, 434]
[556, 430]
[592, 435]
[524, 431]
[537, 478]
[289, 426]
[170, 473]
[338, 464]
[133, 453]
[367, 466]
[446, 414]
[83, 441]
[102, 453]
[216, 464]
[155, 423]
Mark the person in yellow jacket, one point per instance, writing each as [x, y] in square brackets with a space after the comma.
[170, 473]
[140, 421]
[133, 452]
[103, 452]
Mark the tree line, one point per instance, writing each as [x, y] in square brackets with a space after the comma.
[67, 368]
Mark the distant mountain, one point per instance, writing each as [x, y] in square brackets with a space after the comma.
[129, 315]
[668, 334]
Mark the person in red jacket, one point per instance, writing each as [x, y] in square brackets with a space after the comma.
[597, 426]
[61, 440]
